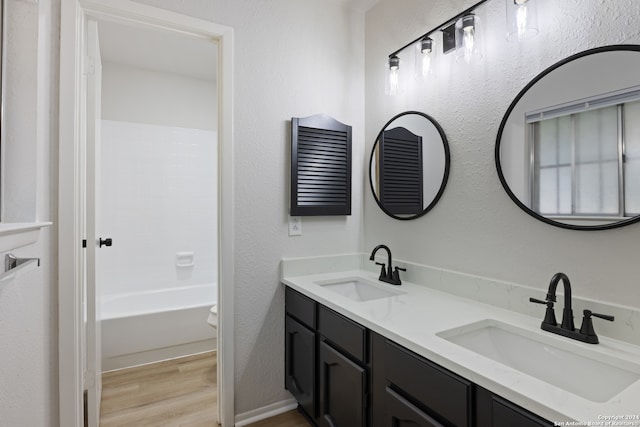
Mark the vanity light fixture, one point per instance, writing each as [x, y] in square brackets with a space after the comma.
[457, 32]
[522, 19]
[393, 73]
[461, 34]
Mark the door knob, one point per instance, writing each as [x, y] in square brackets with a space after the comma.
[105, 242]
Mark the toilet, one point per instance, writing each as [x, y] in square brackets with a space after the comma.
[213, 316]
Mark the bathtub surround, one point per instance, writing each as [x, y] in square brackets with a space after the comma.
[160, 193]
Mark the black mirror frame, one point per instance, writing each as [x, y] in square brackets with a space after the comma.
[445, 178]
[503, 181]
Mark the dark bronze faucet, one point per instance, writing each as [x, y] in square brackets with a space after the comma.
[392, 275]
[586, 333]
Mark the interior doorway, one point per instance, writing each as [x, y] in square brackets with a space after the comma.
[169, 45]
[157, 184]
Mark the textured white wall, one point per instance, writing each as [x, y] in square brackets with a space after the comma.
[28, 321]
[476, 228]
[292, 59]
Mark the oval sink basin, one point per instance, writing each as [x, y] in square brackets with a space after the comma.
[573, 368]
[359, 289]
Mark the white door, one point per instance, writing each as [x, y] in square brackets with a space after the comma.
[92, 376]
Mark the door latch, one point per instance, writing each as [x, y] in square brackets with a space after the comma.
[105, 242]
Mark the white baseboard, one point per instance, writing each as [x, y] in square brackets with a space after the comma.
[265, 412]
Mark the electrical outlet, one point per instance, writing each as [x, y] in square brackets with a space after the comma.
[295, 226]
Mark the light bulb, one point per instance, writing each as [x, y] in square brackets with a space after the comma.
[521, 19]
[424, 57]
[393, 75]
[393, 81]
[426, 64]
[469, 37]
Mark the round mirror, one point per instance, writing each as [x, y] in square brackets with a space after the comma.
[409, 165]
[568, 147]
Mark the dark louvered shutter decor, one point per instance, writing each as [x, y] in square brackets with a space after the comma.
[320, 166]
[401, 171]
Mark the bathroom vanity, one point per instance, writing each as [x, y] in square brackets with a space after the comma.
[343, 374]
[364, 353]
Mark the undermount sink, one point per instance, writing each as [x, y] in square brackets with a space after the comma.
[571, 367]
[359, 289]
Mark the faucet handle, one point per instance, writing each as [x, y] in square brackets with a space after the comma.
[601, 316]
[383, 270]
[396, 275]
[550, 315]
[587, 325]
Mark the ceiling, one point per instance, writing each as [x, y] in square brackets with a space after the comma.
[360, 4]
[156, 49]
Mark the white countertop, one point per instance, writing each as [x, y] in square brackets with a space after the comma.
[414, 318]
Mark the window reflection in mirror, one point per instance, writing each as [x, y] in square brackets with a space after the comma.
[580, 166]
[409, 165]
[568, 148]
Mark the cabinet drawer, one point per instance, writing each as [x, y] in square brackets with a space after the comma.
[342, 332]
[446, 395]
[301, 307]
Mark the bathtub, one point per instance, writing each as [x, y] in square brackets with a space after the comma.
[145, 327]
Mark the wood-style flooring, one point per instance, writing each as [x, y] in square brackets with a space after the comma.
[174, 393]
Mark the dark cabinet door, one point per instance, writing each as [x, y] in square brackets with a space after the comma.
[300, 364]
[506, 414]
[494, 411]
[402, 413]
[342, 390]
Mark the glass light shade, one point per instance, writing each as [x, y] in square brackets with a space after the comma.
[392, 78]
[522, 19]
[424, 56]
[468, 40]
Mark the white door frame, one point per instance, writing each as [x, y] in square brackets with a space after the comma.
[70, 210]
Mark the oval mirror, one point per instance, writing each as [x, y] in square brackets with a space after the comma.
[409, 165]
[568, 147]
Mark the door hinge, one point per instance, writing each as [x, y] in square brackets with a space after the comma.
[89, 65]
[89, 379]
[84, 243]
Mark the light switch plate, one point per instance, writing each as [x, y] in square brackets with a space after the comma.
[295, 226]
